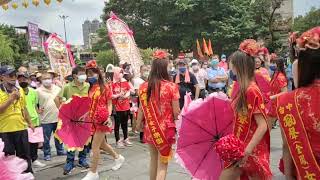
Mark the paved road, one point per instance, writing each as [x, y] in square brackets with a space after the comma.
[136, 165]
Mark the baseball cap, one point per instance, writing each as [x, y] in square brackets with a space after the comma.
[223, 56]
[7, 70]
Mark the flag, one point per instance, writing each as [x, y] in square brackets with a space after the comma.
[210, 48]
[199, 49]
[205, 47]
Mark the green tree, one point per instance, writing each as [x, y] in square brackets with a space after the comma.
[7, 53]
[103, 43]
[107, 57]
[311, 19]
[146, 55]
[176, 24]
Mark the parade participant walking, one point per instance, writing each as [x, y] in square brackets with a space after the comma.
[99, 113]
[159, 126]
[217, 77]
[278, 85]
[32, 107]
[201, 75]
[121, 94]
[187, 82]
[47, 92]
[250, 124]
[77, 87]
[14, 117]
[299, 114]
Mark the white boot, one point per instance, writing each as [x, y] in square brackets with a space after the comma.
[91, 176]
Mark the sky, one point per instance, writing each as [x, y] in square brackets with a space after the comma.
[78, 11]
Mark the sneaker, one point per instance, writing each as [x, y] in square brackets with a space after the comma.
[38, 164]
[47, 158]
[127, 142]
[68, 167]
[118, 163]
[84, 164]
[91, 176]
[120, 145]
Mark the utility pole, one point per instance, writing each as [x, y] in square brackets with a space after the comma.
[63, 17]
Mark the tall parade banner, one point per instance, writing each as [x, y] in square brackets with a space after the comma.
[123, 41]
[60, 57]
[33, 33]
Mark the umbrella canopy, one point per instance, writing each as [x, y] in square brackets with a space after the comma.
[202, 126]
[74, 129]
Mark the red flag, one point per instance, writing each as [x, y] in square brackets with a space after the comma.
[205, 47]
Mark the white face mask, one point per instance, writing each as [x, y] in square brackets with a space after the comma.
[82, 78]
[195, 67]
[223, 60]
[47, 82]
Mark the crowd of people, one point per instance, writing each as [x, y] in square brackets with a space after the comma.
[263, 88]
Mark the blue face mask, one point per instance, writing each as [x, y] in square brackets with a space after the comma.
[214, 63]
[92, 80]
[182, 69]
[273, 68]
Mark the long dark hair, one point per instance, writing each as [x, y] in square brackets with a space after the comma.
[280, 66]
[100, 78]
[308, 67]
[158, 72]
[244, 66]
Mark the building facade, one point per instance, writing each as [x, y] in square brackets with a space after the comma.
[89, 27]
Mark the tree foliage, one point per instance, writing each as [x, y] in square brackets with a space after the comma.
[107, 57]
[103, 43]
[311, 19]
[176, 24]
[6, 52]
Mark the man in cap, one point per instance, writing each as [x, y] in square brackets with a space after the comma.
[14, 117]
[201, 75]
[32, 108]
[187, 82]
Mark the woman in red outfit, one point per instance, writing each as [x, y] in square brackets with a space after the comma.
[159, 106]
[299, 115]
[278, 85]
[250, 124]
[99, 113]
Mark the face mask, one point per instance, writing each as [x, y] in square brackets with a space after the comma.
[273, 68]
[82, 78]
[214, 63]
[145, 74]
[24, 84]
[224, 60]
[182, 69]
[205, 66]
[47, 82]
[195, 67]
[93, 79]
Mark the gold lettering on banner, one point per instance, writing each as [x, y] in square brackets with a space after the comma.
[243, 119]
[299, 148]
[289, 120]
[293, 133]
[159, 141]
[156, 135]
[289, 106]
[303, 161]
[281, 110]
[310, 176]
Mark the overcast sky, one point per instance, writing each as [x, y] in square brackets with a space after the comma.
[80, 10]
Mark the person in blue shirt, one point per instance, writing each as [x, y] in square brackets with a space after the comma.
[217, 77]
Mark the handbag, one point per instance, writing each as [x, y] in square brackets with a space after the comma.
[35, 136]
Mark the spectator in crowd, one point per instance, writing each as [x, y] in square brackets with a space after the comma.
[33, 80]
[217, 77]
[55, 78]
[32, 108]
[187, 82]
[144, 74]
[201, 75]
[47, 92]
[14, 117]
[223, 63]
[80, 88]
[121, 94]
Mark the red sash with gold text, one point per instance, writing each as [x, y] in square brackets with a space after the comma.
[158, 136]
[296, 136]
